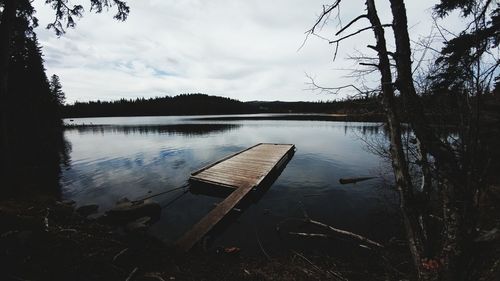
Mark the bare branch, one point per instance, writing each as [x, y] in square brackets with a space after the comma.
[425, 46]
[481, 15]
[441, 29]
[326, 11]
[307, 219]
[342, 232]
[358, 32]
[372, 47]
[369, 64]
[332, 90]
[336, 51]
[349, 24]
[346, 233]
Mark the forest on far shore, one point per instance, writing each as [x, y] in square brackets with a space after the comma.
[439, 106]
[202, 104]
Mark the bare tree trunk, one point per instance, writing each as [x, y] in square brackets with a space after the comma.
[426, 135]
[399, 163]
[425, 206]
[455, 171]
[452, 179]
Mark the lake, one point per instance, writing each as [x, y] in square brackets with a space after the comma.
[132, 157]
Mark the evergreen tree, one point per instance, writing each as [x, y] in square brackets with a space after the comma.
[56, 90]
[34, 128]
[26, 100]
[463, 67]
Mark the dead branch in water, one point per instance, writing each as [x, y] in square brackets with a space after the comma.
[330, 228]
[306, 234]
[308, 220]
[119, 254]
[346, 233]
[132, 273]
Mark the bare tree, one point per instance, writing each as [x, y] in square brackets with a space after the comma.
[446, 173]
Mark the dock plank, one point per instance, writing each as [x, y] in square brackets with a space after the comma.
[242, 171]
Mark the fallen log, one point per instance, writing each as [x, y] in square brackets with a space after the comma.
[354, 180]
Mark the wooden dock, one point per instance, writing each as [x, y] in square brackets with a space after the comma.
[240, 172]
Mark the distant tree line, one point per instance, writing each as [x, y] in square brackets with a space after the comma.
[440, 108]
[179, 105]
[201, 104]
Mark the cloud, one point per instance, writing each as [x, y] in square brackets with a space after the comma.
[246, 50]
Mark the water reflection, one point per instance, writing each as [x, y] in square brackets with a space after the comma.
[32, 162]
[110, 162]
[372, 129]
[182, 129]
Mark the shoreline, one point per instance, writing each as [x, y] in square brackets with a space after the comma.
[303, 117]
[375, 118]
[66, 245]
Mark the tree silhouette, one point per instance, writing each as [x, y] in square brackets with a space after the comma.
[56, 90]
[202, 104]
[34, 129]
[437, 173]
[26, 100]
[468, 62]
[65, 14]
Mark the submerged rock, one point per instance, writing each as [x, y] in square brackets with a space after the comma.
[139, 224]
[122, 200]
[130, 211]
[87, 210]
[68, 202]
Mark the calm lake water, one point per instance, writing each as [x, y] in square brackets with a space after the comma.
[131, 156]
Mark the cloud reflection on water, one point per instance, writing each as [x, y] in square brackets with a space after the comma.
[113, 161]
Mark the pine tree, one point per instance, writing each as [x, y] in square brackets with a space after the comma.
[56, 90]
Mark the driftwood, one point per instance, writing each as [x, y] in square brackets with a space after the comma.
[131, 275]
[68, 230]
[119, 254]
[354, 180]
[346, 233]
[342, 232]
[330, 228]
[306, 234]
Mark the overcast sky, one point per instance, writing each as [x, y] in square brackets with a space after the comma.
[247, 50]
